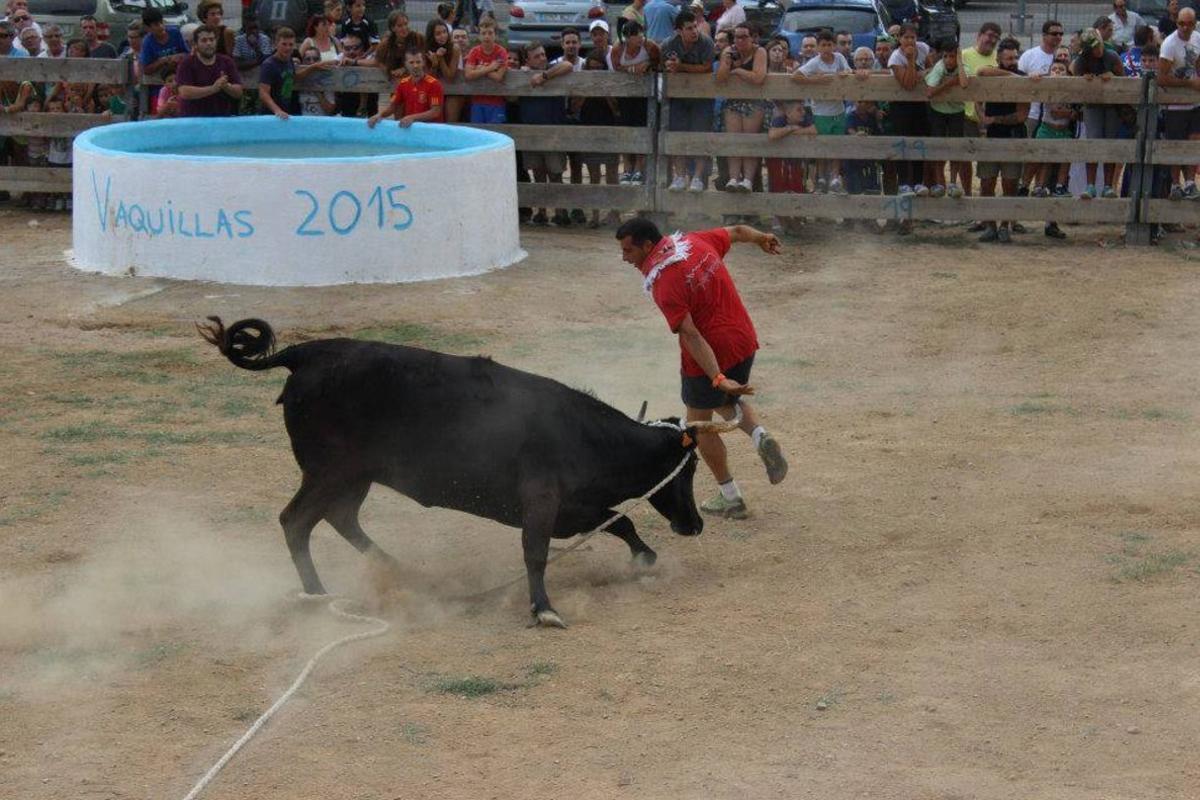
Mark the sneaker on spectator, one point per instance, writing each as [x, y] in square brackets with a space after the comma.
[820, 187]
[678, 185]
[540, 218]
[734, 185]
[836, 186]
[954, 190]
[1176, 193]
[937, 190]
[625, 179]
[1108, 193]
[1041, 191]
[697, 185]
[989, 235]
[921, 190]
[1017, 227]
[977, 227]
[1190, 192]
[1061, 191]
[561, 219]
[1022, 191]
[637, 178]
[578, 217]
[747, 185]
[1003, 236]
[1089, 193]
[1053, 231]
[906, 191]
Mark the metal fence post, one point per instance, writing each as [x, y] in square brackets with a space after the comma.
[1141, 182]
[660, 172]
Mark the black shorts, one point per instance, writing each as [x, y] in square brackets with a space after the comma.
[698, 391]
[690, 116]
[950, 125]
[1180, 125]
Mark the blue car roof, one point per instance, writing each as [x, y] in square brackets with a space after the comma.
[803, 4]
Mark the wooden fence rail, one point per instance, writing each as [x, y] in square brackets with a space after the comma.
[659, 145]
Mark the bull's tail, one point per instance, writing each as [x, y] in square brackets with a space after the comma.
[247, 343]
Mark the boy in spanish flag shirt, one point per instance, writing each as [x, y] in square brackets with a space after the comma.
[686, 277]
[418, 94]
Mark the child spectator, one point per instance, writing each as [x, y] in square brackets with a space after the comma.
[315, 104]
[162, 47]
[786, 175]
[358, 24]
[828, 115]
[445, 63]
[487, 60]
[418, 96]
[1058, 123]
[946, 117]
[910, 119]
[37, 151]
[58, 154]
[862, 177]
[168, 99]
[600, 111]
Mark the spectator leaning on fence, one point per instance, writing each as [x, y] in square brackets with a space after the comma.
[399, 39]
[208, 82]
[977, 58]
[635, 56]
[910, 118]
[1125, 23]
[688, 52]
[1100, 120]
[547, 166]
[745, 62]
[1036, 62]
[1177, 68]
[487, 61]
[1002, 121]
[947, 117]
[91, 34]
[1057, 124]
[277, 90]
[829, 116]
[786, 175]
[163, 47]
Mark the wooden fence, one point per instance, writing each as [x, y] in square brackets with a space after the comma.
[659, 144]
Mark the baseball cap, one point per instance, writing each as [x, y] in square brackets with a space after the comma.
[1090, 38]
[598, 24]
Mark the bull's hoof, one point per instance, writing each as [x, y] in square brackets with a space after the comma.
[547, 618]
[645, 559]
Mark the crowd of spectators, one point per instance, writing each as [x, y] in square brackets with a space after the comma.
[201, 74]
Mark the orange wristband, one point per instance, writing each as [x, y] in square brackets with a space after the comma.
[720, 376]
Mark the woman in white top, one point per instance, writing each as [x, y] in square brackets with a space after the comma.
[320, 37]
[732, 16]
[636, 55]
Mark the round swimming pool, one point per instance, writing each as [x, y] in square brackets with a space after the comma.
[311, 201]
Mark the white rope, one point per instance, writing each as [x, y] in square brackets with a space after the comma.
[380, 628]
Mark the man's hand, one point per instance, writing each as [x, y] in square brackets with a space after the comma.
[283, 115]
[406, 122]
[537, 79]
[734, 388]
[221, 82]
[372, 120]
[769, 243]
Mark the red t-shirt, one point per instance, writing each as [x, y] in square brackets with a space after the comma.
[477, 58]
[699, 284]
[415, 97]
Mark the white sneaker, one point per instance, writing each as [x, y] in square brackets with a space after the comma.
[678, 185]
[835, 186]
[921, 190]
[734, 185]
[697, 185]
[747, 185]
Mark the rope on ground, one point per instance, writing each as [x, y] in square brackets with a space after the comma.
[381, 627]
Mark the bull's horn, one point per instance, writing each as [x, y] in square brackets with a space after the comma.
[714, 427]
[641, 417]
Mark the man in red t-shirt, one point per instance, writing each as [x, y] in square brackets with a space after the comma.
[688, 280]
[418, 95]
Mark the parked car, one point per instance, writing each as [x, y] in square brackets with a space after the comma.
[295, 14]
[866, 20]
[543, 21]
[764, 15]
[116, 14]
[935, 19]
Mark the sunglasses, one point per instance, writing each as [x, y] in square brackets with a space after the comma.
[1055, 33]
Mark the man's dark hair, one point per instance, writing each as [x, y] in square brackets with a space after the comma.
[633, 28]
[825, 35]
[1102, 22]
[946, 45]
[1149, 51]
[87, 18]
[416, 51]
[151, 16]
[683, 18]
[570, 32]
[1052, 23]
[640, 230]
[990, 27]
[1008, 44]
[444, 10]
[908, 27]
[1142, 35]
[531, 47]
[845, 33]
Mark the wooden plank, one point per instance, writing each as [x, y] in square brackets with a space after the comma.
[884, 87]
[897, 148]
[567, 195]
[1176, 95]
[69, 70]
[826, 206]
[576, 138]
[35, 179]
[1183, 152]
[1182, 212]
[56, 125]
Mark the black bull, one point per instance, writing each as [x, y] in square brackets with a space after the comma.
[461, 433]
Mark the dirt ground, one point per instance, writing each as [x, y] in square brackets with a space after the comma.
[980, 579]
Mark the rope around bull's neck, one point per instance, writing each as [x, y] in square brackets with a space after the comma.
[382, 627]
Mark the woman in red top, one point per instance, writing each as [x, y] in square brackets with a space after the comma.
[687, 278]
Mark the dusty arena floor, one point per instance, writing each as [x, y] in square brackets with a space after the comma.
[981, 578]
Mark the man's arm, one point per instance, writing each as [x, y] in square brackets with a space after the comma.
[698, 347]
[769, 242]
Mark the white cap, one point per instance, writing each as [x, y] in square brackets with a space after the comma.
[599, 23]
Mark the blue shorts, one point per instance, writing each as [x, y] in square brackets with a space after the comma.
[488, 115]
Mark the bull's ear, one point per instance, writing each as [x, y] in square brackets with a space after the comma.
[688, 438]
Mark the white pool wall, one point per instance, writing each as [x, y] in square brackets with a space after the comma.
[293, 222]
